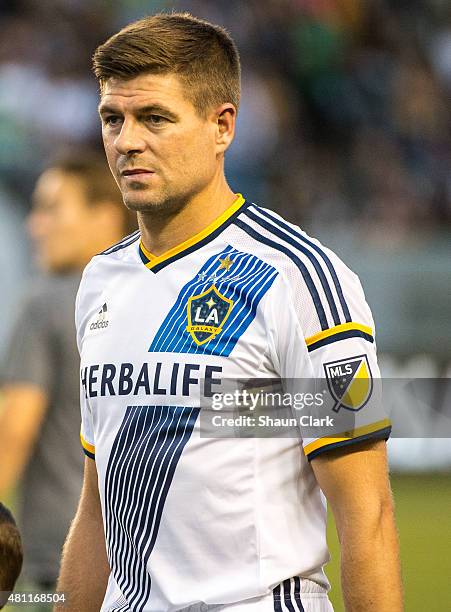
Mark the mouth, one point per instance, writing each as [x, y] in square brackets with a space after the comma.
[137, 172]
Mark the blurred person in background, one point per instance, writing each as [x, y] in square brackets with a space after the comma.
[77, 212]
[11, 553]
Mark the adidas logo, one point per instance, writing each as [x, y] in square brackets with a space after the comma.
[102, 320]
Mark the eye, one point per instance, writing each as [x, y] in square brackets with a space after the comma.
[111, 120]
[156, 119]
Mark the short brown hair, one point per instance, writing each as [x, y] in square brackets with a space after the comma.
[11, 554]
[98, 183]
[201, 54]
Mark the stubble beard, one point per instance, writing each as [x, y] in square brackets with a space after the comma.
[156, 206]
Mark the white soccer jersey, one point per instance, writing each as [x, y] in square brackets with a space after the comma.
[190, 518]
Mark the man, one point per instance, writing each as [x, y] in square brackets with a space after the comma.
[213, 288]
[77, 211]
[10, 554]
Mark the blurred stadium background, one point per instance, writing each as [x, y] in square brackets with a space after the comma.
[344, 128]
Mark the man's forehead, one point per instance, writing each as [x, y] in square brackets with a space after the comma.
[142, 89]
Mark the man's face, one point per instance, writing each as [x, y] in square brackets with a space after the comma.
[60, 222]
[160, 151]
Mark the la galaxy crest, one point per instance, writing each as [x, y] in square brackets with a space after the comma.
[207, 313]
[350, 382]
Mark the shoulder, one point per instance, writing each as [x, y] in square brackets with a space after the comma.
[280, 237]
[127, 241]
[102, 270]
[124, 251]
[325, 293]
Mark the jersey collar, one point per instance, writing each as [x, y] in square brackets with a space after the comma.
[156, 263]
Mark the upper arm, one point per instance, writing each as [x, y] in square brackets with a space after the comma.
[82, 313]
[355, 482]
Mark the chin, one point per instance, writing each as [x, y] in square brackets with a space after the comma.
[143, 204]
[154, 204]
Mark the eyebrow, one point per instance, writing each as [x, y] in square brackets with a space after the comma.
[144, 110]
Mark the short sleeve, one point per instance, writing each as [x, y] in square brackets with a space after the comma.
[345, 362]
[336, 359]
[30, 355]
[87, 429]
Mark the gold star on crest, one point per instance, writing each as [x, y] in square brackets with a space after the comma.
[226, 263]
[210, 303]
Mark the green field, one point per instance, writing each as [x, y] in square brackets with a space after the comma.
[423, 512]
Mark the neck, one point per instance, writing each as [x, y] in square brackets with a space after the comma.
[161, 233]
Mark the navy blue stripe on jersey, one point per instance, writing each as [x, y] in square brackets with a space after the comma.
[287, 595]
[300, 265]
[276, 599]
[247, 281]
[140, 470]
[125, 242]
[351, 333]
[282, 592]
[201, 243]
[297, 593]
[380, 434]
[301, 237]
[311, 256]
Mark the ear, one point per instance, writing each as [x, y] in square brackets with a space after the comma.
[225, 120]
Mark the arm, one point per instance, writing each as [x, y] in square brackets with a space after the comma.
[27, 374]
[355, 482]
[84, 567]
[23, 407]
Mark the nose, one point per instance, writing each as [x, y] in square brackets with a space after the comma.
[130, 139]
